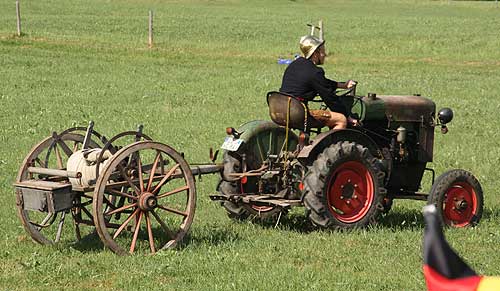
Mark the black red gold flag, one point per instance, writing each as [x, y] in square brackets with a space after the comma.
[444, 270]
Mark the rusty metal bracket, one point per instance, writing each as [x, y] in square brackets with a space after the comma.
[88, 134]
[433, 174]
[139, 132]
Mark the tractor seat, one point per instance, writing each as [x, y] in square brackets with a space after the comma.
[299, 118]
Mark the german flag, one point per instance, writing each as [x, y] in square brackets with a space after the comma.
[444, 270]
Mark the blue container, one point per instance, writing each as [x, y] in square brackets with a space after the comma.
[284, 61]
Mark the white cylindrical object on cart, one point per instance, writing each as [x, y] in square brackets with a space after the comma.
[84, 162]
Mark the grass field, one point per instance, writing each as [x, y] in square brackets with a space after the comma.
[212, 64]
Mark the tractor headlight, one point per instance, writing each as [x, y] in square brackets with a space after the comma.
[445, 115]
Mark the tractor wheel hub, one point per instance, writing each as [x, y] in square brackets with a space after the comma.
[461, 204]
[347, 190]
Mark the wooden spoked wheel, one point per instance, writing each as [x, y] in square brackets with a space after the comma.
[159, 199]
[44, 227]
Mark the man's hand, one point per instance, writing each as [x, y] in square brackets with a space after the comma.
[351, 83]
[352, 121]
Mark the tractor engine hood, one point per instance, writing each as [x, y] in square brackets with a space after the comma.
[396, 108]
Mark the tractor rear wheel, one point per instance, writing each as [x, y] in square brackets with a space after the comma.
[269, 141]
[243, 211]
[344, 187]
[458, 197]
[387, 204]
[234, 211]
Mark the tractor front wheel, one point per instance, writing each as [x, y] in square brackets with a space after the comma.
[344, 187]
[458, 197]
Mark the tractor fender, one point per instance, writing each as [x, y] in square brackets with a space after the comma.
[323, 140]
[253, 128]
[249, 133]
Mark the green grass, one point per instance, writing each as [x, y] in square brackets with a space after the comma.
[212, 64]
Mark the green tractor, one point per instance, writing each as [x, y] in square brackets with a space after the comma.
[344, 178]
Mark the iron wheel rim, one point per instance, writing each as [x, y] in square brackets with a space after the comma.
[454, 197]
[350, 192]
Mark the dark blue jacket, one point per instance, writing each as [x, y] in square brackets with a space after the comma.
[305, 80]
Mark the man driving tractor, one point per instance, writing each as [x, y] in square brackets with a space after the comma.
[304, 80]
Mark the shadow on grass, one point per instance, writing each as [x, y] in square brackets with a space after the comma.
[394, 220]
[214, 235]
[400, 220]
[92, 243]
[89, 243]
[414, 219]
[491, 213]
[291, 222]
[210, 236]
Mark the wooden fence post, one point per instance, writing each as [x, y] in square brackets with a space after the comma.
[18, 14]
[150, 39]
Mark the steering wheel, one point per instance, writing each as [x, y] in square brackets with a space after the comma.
[351, 92]
[340, 92]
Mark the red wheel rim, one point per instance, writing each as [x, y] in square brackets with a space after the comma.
[460, 204]
[256, 207]
[262, 208]
[350, 192]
